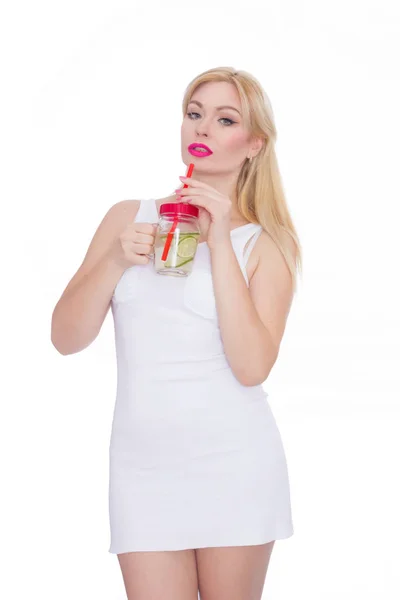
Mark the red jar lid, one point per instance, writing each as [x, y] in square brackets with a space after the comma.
[179, 208]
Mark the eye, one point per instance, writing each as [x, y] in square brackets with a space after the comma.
[230, 120]
[222, 118]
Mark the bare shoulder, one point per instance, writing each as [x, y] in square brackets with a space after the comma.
[266, 251]
[124, 210]
[118, 216]
[113, 223]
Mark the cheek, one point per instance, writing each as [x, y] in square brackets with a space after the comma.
[236, 141]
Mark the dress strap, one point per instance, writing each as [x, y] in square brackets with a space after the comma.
[147, 212]
[244, 239]
[251, 243]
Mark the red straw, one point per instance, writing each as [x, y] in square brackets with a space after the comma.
[175, 223]
[169, 239]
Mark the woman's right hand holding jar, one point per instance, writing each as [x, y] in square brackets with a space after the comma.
[134, 245]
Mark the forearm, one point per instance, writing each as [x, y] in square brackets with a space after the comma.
[248, 345]
[79, 315]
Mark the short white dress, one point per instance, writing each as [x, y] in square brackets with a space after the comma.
[196, 458]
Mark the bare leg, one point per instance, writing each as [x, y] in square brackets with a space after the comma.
[233, 572]
[170, 575]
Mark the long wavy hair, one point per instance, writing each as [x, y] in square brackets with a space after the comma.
[259, 188]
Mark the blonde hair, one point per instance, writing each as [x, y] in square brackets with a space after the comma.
[259, 189]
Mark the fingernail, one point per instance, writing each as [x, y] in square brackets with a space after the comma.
[182, 177]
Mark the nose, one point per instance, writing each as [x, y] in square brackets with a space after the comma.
[202, 127]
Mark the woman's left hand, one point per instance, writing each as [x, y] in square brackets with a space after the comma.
[214, 210]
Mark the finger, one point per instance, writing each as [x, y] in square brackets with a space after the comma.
[142, 259]
[194, 191]
[142, 248]
[182, 192]
[144, 238]
[144, 227]
[189, 181]
[204, 202]
[190, 188]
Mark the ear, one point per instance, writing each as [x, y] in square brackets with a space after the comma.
[257, 144]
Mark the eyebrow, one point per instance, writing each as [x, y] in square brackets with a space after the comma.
[218, 107]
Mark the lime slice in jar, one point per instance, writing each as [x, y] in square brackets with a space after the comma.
[187, 246]
[188, 260]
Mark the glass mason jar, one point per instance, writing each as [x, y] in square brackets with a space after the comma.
[179, 229]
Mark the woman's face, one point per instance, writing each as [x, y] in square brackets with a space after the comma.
[222, 130]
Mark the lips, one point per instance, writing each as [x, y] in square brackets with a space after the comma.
[192, 149]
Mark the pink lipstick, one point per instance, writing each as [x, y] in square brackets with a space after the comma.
[193, 149]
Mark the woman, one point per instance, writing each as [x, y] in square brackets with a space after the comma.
[199, 488]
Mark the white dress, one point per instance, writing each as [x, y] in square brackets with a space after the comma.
[196, 458]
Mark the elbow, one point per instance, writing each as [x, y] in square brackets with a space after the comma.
[62, 343]
[67, 350]
[56, 342]
[65, 339]
[251, 379]
[59, 348]
[253, 375]
[53, 336]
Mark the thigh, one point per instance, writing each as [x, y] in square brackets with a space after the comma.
[170, 575]
[233, 572]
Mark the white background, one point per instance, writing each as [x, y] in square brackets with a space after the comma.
[91, 115]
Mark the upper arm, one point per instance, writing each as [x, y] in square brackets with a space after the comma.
[111, 225]
[271, 287]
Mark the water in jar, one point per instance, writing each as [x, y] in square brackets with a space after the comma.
[181, 252]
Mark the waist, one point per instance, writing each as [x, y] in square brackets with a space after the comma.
[202, 381]
[165, 367]
[175, 354]
[170, 350]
